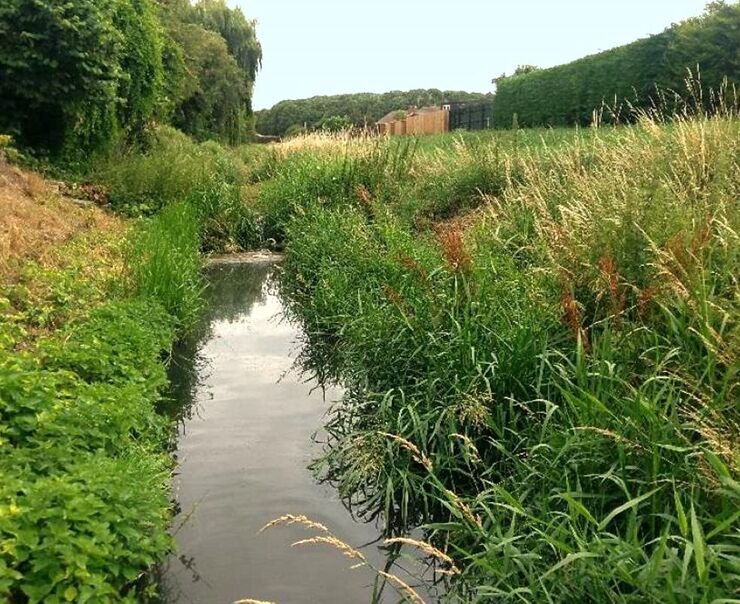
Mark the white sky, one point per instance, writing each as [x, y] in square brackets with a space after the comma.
[314, 47]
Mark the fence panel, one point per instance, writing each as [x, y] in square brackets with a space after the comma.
[471, 117]
[429, 122]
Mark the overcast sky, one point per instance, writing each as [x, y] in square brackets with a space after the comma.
[314, 47]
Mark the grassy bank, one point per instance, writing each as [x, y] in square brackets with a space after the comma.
[537, 332]
[538, 341]
[87, 317]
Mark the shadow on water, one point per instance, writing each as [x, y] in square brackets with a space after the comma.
[245, 426]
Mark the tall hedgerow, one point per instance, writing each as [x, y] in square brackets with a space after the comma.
[709, 46]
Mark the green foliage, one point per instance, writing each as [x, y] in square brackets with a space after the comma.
[84, 532]
[84, 500]
[108, 345]
[221, 56]
[164, 262]
[549, 392]
[238, 32]
[336, 123]
[175, 169]
[48, 296]
[142, 76]
[82, 76]
[213, 105]
[451, 183]
[362, 109]
[306, 179]
[634, 74]
[77, 75]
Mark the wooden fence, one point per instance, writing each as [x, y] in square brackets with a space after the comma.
[467, 117]
[428, 122]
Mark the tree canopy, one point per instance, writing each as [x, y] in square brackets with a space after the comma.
[76, 77]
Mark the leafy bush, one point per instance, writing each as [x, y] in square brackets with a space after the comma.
[108, 346]
[84, 501]
[175, 169]
[48, 295]
[336, 123]
[455, 181]
[85, 532]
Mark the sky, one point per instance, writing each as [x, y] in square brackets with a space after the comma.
[316, 47]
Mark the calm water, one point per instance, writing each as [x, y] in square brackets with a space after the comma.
[244, 446]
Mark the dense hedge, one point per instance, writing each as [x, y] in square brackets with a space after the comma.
[568, 94]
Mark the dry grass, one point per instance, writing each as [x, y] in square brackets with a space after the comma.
[325, 143]
[327, 538]
[35, 218]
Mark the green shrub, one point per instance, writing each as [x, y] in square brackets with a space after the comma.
[113, 342]
[84, 532]
[176, 169]
[84, 500]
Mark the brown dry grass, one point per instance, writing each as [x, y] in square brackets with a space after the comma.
[35, 218]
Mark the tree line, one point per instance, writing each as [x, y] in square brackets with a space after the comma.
[635, 75]
[289, 117]
[81, 76]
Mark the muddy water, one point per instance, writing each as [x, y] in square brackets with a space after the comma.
[244, 446]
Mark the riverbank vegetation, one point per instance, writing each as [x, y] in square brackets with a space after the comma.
[546, 382]
[536, 329]
[87, 317]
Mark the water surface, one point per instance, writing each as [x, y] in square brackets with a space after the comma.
[244, 447]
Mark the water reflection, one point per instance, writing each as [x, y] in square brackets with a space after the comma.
[243, 451]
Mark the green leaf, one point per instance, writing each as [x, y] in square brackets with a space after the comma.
[683, 524]
[569, 559]
[698, 540]
[579, 507]
[634, 502]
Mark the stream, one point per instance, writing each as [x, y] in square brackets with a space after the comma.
[245, 441]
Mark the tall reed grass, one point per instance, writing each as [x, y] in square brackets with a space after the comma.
[163, 260]
[550, 387]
